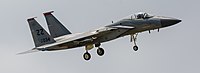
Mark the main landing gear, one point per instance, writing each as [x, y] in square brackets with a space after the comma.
[133, 39]
[100, 51]
[86, 55]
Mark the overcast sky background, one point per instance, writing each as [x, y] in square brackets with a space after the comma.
[174, 49]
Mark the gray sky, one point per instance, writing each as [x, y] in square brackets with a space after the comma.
[174, 49]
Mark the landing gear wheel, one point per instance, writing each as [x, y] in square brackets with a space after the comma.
[100, 51]
[135, 48]
[86, 56]
[133, 39]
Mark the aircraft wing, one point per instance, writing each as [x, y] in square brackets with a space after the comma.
[82, 36]
[121, 27]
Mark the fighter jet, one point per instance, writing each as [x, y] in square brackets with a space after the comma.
[60, 38]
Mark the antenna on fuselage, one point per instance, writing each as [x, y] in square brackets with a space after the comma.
[131, 17]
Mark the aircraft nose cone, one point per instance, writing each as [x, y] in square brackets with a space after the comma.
[169, 22]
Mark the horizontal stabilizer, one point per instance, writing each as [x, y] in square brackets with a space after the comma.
[29, 51]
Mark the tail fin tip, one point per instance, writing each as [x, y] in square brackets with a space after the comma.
[32, 18]
[48, 13]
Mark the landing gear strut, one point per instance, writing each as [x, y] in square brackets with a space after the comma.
[133, 39]
[87, 55]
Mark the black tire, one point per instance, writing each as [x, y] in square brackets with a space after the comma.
[86, 56]
[135, 48]
[100, 51]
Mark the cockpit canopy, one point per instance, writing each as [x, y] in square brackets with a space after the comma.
[142, 15]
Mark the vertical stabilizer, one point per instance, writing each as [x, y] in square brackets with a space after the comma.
[40, 36]
[55, 26]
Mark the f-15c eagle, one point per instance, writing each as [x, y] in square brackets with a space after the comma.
[61, 38]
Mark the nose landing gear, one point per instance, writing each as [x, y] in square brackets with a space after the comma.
[133, 39]
[135, 48]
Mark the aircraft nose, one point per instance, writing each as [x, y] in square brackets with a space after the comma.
[169, 22]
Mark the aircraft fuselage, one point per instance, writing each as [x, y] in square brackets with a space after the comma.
[138, 25]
